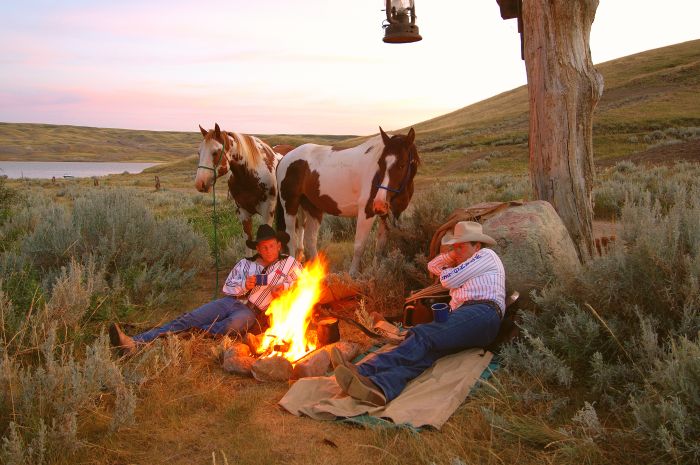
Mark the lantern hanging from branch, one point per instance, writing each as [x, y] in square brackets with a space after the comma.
[400, 26]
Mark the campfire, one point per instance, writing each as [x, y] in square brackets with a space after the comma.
[294, 346]
[290, 315]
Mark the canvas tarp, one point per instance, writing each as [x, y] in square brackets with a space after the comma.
[428, 400]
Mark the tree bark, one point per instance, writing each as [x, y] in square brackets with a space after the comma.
[564, 89]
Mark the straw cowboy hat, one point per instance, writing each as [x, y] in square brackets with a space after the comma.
[266, 232]
[469, 231]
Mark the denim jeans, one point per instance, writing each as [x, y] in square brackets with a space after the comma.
[221, 316]
[466, 327]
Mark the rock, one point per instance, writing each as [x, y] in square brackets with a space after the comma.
[239, 365]
[272, 369]
[252, 341]
[317, 363]
[350, 350]
[533, 244]
[239, 349]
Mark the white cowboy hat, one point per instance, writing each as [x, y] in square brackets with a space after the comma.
[470, 231]
[446, 238]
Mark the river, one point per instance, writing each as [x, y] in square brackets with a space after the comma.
[67, 169]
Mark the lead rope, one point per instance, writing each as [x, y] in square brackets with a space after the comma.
[213, 218]
[216, 242]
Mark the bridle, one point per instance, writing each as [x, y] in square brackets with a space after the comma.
[404, 181]
[215, 169]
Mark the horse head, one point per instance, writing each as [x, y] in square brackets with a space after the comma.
[392, 186]
[214, 157]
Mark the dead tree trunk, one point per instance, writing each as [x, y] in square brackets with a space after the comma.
[564, 88]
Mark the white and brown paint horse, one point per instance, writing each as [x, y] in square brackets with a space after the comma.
[252, 163]
[369, 180]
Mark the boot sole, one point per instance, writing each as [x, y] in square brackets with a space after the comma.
[352, 386]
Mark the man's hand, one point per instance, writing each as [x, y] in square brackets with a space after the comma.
[452, 255]
[277, 290]
[250, 282]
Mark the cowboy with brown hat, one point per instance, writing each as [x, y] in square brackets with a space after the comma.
[249, 288]
[476, 279]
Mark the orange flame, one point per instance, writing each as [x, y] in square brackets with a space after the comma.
[290, 315]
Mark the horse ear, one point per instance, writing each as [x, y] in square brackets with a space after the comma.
[217, 130]
[204, 131]
[385, 137]
[411, 136]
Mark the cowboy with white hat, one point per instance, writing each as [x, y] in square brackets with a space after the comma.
[476, 279]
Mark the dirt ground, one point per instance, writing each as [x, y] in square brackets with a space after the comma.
[684, 151]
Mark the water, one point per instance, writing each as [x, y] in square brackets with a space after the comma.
[60, 169]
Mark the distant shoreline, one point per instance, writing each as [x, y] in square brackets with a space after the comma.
[69, 170]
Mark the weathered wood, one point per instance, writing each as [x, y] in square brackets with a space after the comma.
[564, 88]
[327, 331]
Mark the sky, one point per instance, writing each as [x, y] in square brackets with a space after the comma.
[279, 66]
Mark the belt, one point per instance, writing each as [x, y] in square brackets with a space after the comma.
[490, 303]
[251, 306]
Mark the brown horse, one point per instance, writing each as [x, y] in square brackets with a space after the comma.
[369, 180]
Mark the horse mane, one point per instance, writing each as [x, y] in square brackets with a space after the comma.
[247, 148]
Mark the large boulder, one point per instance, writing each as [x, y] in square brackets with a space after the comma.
[533, 244]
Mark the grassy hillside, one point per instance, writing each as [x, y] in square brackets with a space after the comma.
[47, 142]
[650, 99]
[651, 103]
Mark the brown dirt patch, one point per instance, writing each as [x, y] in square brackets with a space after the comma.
[662, 154]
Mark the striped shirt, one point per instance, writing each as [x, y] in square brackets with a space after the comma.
[481, 277]
[284, 271]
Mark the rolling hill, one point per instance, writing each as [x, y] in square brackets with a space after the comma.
[650, 110]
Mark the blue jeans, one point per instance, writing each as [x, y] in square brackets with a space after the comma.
[222, 316]
[466, 327]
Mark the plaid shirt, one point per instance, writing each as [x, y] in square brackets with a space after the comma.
[284, 271]
[481, 277]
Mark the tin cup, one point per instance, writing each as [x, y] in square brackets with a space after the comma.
[440, 312]
[261, 280]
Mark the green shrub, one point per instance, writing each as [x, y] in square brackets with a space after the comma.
[623, 333]
[150, 257]
[7, 197]
[667, 411]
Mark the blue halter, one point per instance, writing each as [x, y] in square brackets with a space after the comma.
[404, 181]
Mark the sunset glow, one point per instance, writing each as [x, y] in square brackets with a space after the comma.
[278, 67]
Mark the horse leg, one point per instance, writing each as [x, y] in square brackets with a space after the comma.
[382, 235]
[267, 210]
[247, 223]
[299, 222]
[364, 225]
[311, 227]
